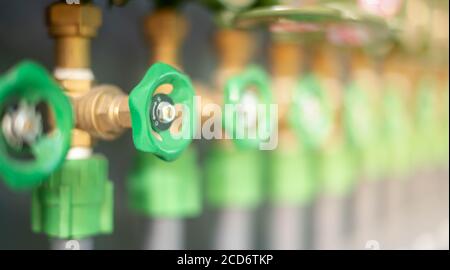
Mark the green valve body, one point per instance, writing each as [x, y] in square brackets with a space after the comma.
[426, 140]
[76, 202]
[161, 189]
[330, 166]
[234, 173]
[397, 135]
[336, 175]
[293, 174]
[236, 88]
[444, 129]
[234, 177]
[311, 115]
[362, 132]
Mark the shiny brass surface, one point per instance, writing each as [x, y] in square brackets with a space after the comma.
[165, 30]
[103, 111]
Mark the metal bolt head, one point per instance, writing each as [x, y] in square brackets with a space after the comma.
[166, 112]
[23, 125]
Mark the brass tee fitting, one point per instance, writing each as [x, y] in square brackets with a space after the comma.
[102, 111]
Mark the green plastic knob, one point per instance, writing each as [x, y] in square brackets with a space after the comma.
[311, 113]
[36, 122]
[247, 117]
[162, 123]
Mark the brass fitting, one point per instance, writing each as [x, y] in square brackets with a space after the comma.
[286, 58]
[103, 111]
[73, 26]
[324, 64]
[165, 30]
[234, 49]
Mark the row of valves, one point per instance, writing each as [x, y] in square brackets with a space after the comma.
[49, 123]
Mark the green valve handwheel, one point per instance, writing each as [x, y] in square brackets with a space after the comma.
[244, 119]
[36, 122]
[162, 112]
[311, 114]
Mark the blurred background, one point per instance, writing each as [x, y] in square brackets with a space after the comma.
[120, 56]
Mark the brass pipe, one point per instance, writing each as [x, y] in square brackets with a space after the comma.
[234, 49]
[364, 73]
[72, 27]
[397, 70]
[325, 63]
[73, 52]
[166, 30]
[286, 59]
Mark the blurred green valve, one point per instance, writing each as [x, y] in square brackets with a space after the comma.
[362, 131]
[311, 114]
[247, 120]
[248, 123]
[328, 155]
[36, 122]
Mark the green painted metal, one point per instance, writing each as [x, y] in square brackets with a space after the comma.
[234, 177]
[166, 145]
[252, 79]
[160, 189]
[76, 202]
[31, 83]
